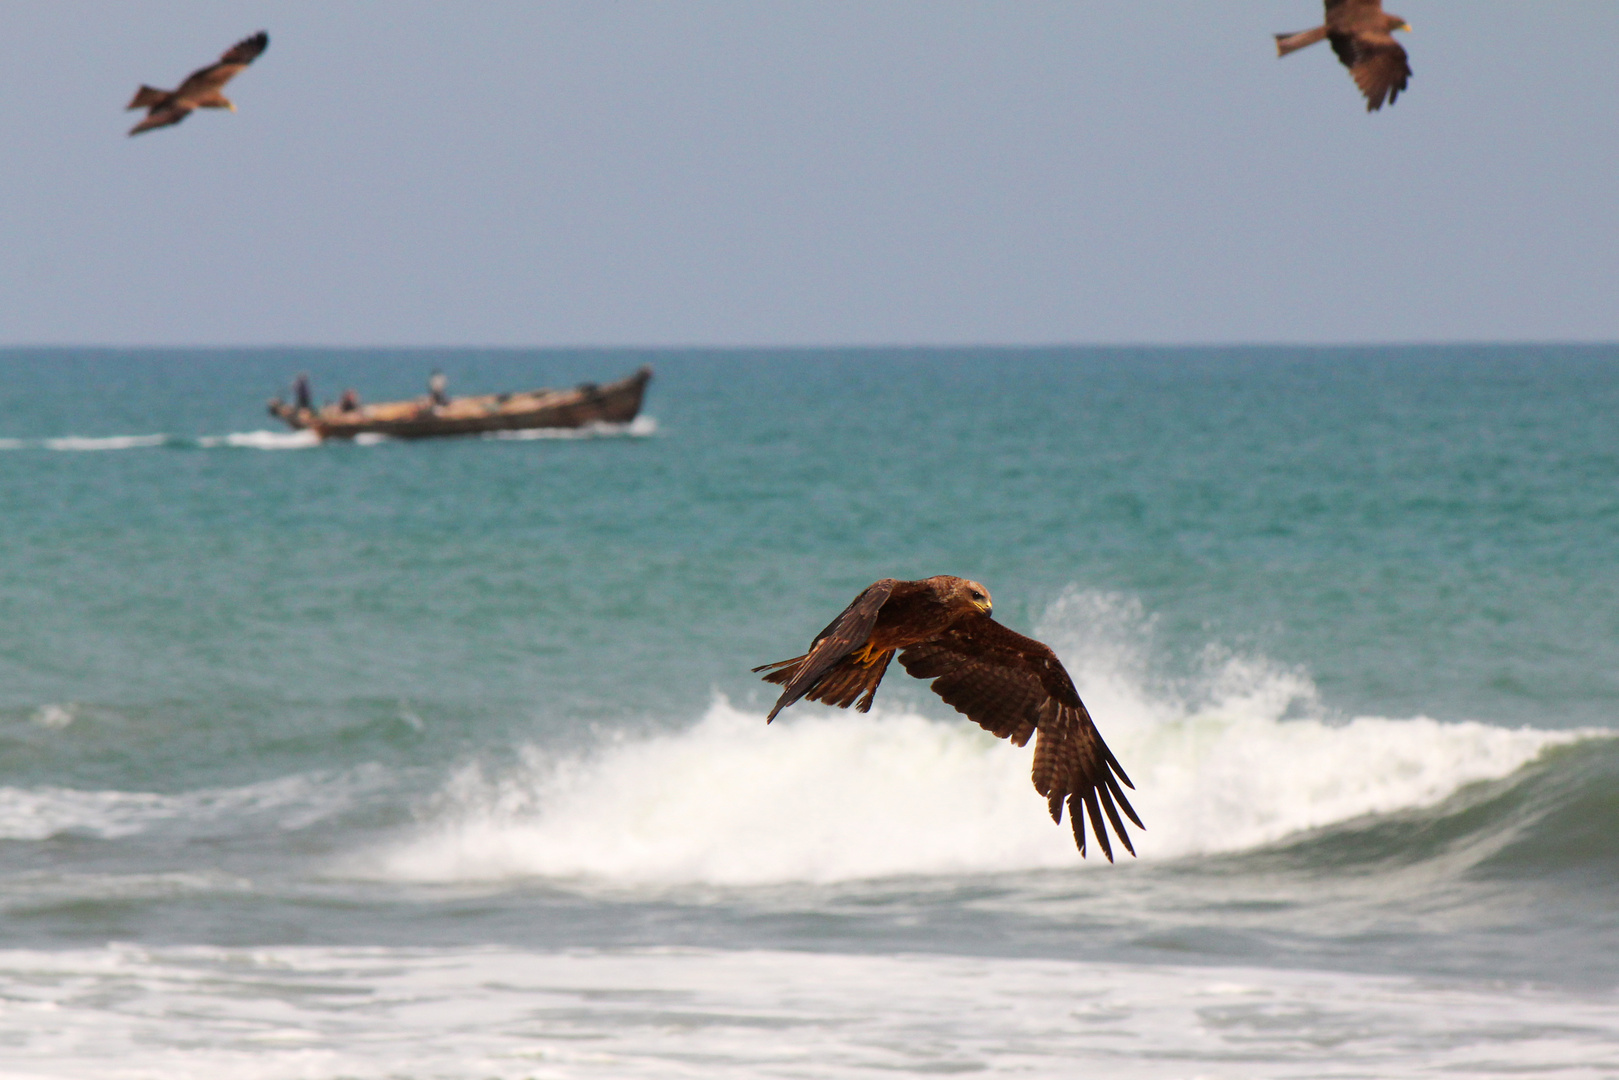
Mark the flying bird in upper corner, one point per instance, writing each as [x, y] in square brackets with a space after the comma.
[1011, 685]
[1363, 38]
[201, 90]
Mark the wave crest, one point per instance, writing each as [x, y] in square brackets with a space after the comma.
[1221, 764]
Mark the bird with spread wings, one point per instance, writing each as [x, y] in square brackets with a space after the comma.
[201, 90]
[1363, 37]
[1013, 686]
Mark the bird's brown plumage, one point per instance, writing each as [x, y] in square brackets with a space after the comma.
[1011, 685]
[1363, 37]
[201, 89]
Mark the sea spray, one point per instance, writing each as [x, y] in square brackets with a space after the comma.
[1219, 761]
[732, 801]
[1239, 752]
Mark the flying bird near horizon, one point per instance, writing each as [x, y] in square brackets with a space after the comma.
[201, 89]
[1363, 37]
[1012, 686]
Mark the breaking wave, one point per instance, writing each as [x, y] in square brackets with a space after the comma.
[1222, 763]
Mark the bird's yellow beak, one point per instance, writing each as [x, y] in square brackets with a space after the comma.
[231, 106]
[1408, 28]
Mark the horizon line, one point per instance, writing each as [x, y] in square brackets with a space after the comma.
[1008, 346]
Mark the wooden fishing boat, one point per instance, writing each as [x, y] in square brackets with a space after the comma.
[419, 418]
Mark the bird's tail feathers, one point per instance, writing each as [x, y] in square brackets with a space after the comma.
[1286, 43]
[781, 670]
[851, 681]
[780, 673]
[848, 682]
[146, 97]
[160, 117]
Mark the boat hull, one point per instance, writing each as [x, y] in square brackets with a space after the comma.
[611, 403]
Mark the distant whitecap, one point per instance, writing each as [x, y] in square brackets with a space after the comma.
[262, 440]
[640, 427]
[108, 442]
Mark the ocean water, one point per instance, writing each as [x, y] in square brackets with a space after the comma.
[443, 759]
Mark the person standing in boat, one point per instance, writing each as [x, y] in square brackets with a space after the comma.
[301, 397]
[438, 388]
[349, 402]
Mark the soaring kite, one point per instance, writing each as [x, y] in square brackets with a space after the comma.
[1363, 38]
[201, 90]
[1011, 685]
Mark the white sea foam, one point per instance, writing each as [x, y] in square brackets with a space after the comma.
[640, 427]
[262, 440]
[284, 1012]
[43, 812]
[825, 796]
[1233, 758]
[12, 444]
[108, 442]
[39, 813]
[54, 717]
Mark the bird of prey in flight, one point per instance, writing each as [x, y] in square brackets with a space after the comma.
[1363, 37]
[201, 90]
[1013, 686]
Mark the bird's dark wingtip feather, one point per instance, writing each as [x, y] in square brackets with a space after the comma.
[1113, 818]
[1118, 770]
[1098, 826]
[1124, 804]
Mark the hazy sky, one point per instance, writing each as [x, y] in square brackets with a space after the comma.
[806, 172]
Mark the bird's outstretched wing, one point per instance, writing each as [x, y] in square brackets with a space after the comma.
[148, 96]
[1013, 687]
[842, 636]
[1377, 63]
[208, 80]
[163, 116]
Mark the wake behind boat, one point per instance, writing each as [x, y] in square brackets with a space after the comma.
[435, 414]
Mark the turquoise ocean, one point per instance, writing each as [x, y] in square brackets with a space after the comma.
[443, 759]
